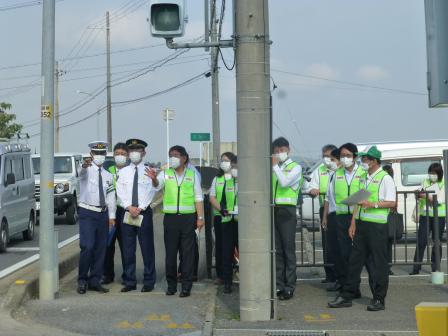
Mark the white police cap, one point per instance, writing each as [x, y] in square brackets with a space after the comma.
[98, 146]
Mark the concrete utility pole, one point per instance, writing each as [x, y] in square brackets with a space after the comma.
[254, 148]
[47, 280]
[215, 89]
[56, 113]
[109, 97]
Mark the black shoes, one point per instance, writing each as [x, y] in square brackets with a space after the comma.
[286, 295]
[126, 289]
[107, 280]
[82, 289]
[170, 292]
[279, 292]
[99, 289]
[147, 289]
[336, 287]
[376, 305]
[340, 302]
[227, 288]
[184, 293]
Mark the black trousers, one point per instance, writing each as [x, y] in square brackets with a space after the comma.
[285, 247]
[370, 241]
[423, 233]
[218, 243]
[179, 237]
[328, 237]
[344, 244]
[109, 269]
[196, 260]
[228, 244]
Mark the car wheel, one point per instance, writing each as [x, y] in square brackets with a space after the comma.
[28, 234]
[3, 236]
[72, 213]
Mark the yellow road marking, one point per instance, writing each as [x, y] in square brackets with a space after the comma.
[165, 317]
[321, 318]
[171, 325]
[186, 326]
[153, 317]
[20, 282]
[123, 325]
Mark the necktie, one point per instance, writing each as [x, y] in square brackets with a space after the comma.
[100, 189]
[135, 189]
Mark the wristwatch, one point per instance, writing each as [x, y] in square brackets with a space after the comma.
[376, 205]
[200, 218]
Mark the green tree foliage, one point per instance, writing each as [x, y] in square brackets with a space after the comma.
[8, 128]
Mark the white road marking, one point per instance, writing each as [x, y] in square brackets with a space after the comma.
[22, 249]
[351, 331]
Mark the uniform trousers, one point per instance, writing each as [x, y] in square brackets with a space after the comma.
[423, 233]
[218, 243]
[109, 269]
[329, 236]
[93, 233]
[228, 244]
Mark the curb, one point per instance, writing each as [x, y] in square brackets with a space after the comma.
[207, 329]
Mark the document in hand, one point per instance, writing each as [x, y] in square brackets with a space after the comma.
[128, 219]
[357, 197]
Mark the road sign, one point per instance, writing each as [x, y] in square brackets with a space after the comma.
[200, 136]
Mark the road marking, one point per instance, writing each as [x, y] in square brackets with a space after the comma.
[21, 264]
[22, 249]
[350, 331]
[20, 282]
[321, 318]
[155, 317]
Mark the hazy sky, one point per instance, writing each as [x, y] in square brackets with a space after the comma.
[377, 43]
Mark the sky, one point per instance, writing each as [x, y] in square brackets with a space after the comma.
[345, 70]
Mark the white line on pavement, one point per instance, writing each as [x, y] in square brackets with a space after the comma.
[22, 249]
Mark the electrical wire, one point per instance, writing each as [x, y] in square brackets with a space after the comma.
[23, 5]
[224, 61]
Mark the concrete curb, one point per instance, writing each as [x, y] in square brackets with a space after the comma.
[207, 329]
[24, 285]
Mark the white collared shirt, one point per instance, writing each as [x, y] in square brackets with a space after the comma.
[89, 188]
[292, 179]
[198, 197]
[315, 178]
[125, 183]
[330, 197]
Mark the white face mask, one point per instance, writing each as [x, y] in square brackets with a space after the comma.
[234, 172]
[174, 162]
[333, 166]
[282, 157]
[433, 177]
[120, 160]
[99, 159]
[365, 166]
[327, 162]
[225, 166]
[347, 162]
[135, 157]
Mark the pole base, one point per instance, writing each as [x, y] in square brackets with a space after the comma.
[437, 278]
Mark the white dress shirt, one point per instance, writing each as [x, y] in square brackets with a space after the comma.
[125, 183]
[197, 184]
[330, 197]
[291, 179]
[89, 185]
[440, 192]
[388, 191]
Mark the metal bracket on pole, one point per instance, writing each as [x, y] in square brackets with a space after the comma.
[221, 44]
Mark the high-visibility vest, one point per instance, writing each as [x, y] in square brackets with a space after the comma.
[342, 189]
[113, 170]
[285, 195]
[179, 199]
[422, 202]
[374, 215]
[324, 178]
[231, 196]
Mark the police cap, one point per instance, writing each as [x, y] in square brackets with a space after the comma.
[136, 144]
[98, 146]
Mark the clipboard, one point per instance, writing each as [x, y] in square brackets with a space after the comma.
[357, 197]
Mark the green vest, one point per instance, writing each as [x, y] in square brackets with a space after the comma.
[179, 199]
[231, 196]
[374, 215]
[324, 178]
[285, 195]
[113, 170]
[422, 202]
[342, 189]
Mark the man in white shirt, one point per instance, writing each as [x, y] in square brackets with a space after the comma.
[136, 192]
[96, 216]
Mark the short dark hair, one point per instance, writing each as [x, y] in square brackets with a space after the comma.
[437, 168]
[328, 147]
[182, 151]
[280, 142]
[350, 147]
[336, 153]
[121, 145]
[388, 169]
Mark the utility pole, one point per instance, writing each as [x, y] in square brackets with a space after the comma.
[47, 280]
[109, 99]
[215, 88]
[56, 114]
[254, 150]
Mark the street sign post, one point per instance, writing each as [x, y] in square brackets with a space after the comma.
[201, 137]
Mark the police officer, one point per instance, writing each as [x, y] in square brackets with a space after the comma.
[287, 180]
[121, 160]
[370, 234]
[96, 216]
[318, 187]
[223, 197]
[184, 212]
[135, 191]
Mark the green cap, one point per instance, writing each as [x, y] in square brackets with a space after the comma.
[372, 152]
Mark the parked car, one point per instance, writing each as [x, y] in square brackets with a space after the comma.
[66, 184]
[17, 203]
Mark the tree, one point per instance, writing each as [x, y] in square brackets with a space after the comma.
[8, 128]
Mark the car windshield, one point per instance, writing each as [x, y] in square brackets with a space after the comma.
[62, 165]
[414, 172]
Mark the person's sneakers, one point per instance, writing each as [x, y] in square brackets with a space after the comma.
[340, 302]
[336, 287]
[98, 288]
[170, 292]
[414, 272]
[128, 288]
[107, 280]
[286, 295]
[82, 289]
[326, 280]
[280, 292]
[391, 273]
[184, 293]
[227, 289]
[147, 289]
[376, 305]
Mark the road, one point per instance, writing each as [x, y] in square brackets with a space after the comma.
[20, 250]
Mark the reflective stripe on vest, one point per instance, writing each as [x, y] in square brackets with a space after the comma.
[285, 195]
[342, 189]
[422, 202]
[324, 178]
[179, 199]
[375, 215]
[230, 196]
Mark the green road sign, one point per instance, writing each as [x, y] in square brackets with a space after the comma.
[200, 136]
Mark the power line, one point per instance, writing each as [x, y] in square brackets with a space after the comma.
[23, 5]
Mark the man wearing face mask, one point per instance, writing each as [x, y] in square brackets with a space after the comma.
[121, 160]
[318, 188]
[287, 180]
[96, 216]
[136, 192]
